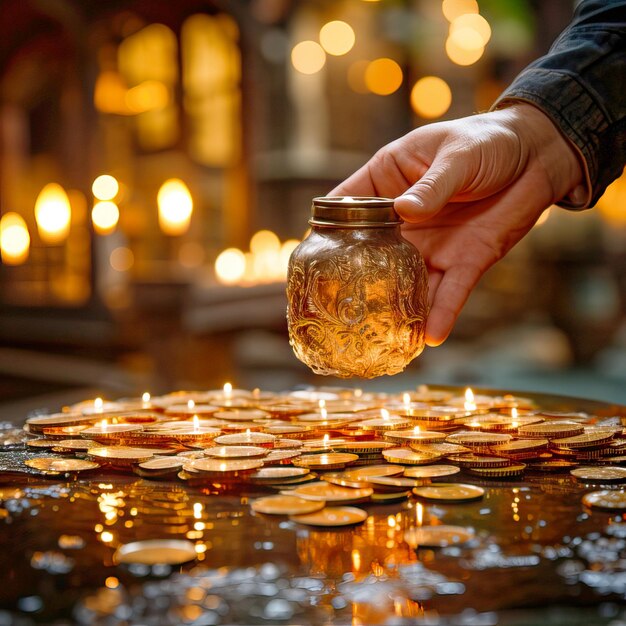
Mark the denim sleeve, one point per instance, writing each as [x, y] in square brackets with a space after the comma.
[581, 85]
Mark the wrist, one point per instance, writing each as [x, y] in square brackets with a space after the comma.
[561, 161]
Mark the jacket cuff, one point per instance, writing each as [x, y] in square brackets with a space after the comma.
[575, 113]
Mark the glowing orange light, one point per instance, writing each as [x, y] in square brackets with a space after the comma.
[337, 37]
[383, 76]
[175, 207]
[431, 97]
[308, 57]
[105, 187]
[105, 215]
[230, 266]
[14, 239]
[53, 214]
[469, 404]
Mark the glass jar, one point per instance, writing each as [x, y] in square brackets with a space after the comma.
[357, 291]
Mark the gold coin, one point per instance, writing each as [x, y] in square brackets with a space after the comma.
[156, 552]
[286, 505]
[374, 470]
[278, 473]
[551, 430]
[415, 436]
[512, 471]
[37, 424]
[60, 466]
[477, 460]
[219, 467]
[552, 465]
[472, 439]
[437, 536]
[395, 482]
[431, 471]
[386, 497]
[332, 516]
[240, 415]
[450, 492]
[328, 492]
[235, 452]
[75, 445]
[608, 500]
[344, 479]
[586, 440]
[276, 457]
[410, 457]
[42, 443]
[167, 463]
[332, 460]
[121, 454]
[443, 449]
[364, 447]
[520, 445]
[600, 474]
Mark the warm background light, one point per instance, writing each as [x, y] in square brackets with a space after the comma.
[230, 266]
[175, 207]
[105, 187]
[383, 76]
[462, 56]
[612, 203]
[264, 241]
[337, 37]
[431, 97]
[122, 259]
[472, 22]
[14, 239]
[356, 76]
[308, 57]
[105, 216]
[454, 8]
[53, 214]
[150, 95]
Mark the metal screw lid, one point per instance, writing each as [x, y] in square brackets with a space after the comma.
[353, 212]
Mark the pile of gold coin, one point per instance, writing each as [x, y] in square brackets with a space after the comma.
[323, 450]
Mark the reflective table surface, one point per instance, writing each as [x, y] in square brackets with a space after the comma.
[537, 554]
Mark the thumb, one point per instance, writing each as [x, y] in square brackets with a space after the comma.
[442, 181]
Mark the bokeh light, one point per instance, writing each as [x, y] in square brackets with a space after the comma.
[14, 239]
[383, 76]
[264, 241]
[461, 56]
[105, 216]
[454, 8]
[175, 207]
[53, 214]
[472, 22]
[308, 57]
[105, 187]
[122, 259]
[230, 266]
[431, 97]
[337, 37]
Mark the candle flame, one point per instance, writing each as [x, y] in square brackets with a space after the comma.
[470, 404]
[419, 513]
[103, 425]
[322, 403]
[145, 397]
[191, 404]
[196, 423]
[406, 399]
[228, 390]
[358, 393]
[197, 510]
[416, 430]
[256, 392]
[384, 413]
[323, 412]
[97, 404]
[326, 440]
[514, 413]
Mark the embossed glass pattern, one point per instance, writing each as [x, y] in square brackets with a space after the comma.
[357, 291]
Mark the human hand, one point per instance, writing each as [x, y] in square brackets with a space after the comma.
[469, 190]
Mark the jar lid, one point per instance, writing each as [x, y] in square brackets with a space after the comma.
[353, 211]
